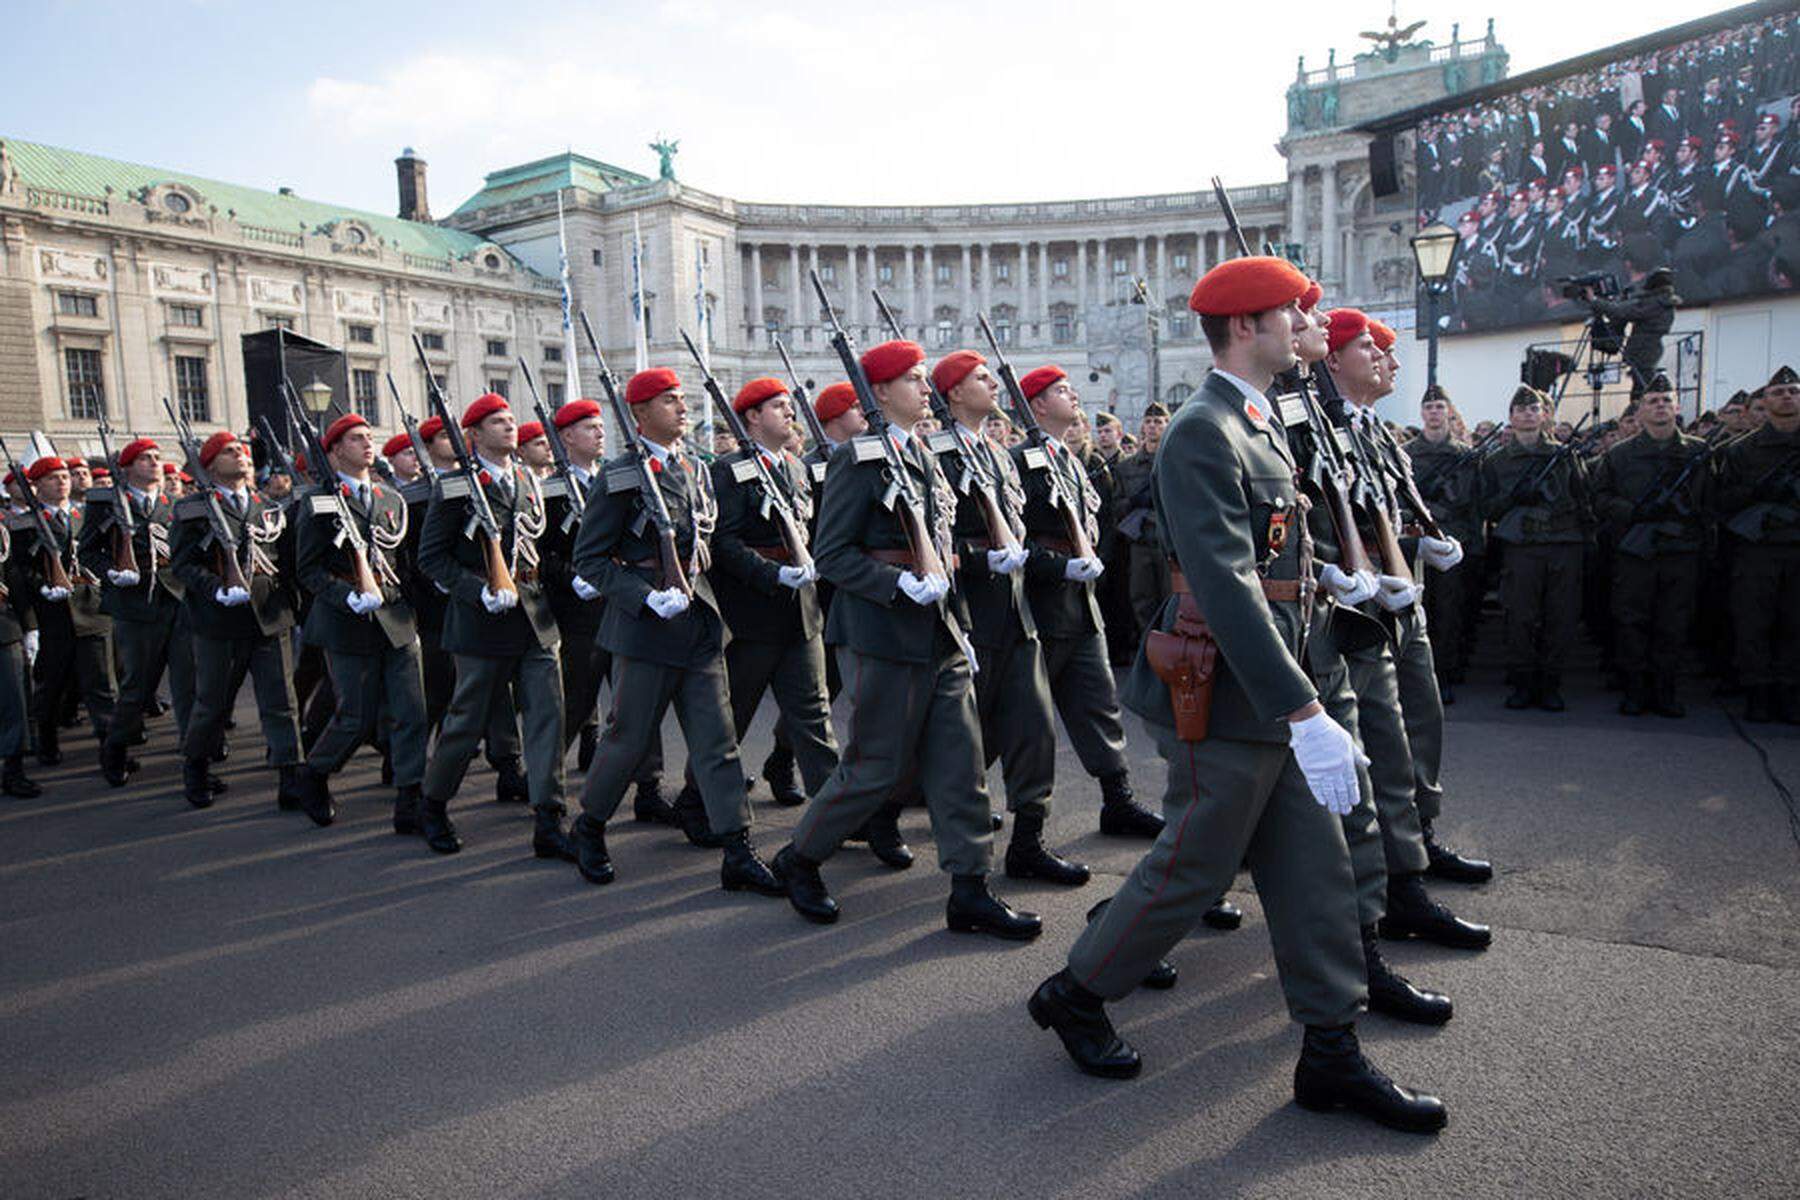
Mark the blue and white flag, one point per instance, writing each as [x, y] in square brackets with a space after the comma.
[641, 335]
[571, 361]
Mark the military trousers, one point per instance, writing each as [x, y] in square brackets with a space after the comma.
[1148, 582]
[1447, 611]
[584, 667]
[1765, 614]
[1362, 827]
[15, 718]
[181, 669]
[908, 720]
[1653, 610]
[1381, 728]
[1087, 699]
[795, 673]
[502, 736]
[69, 665]
[1227, 801]
[143, 651]
[482, 704]
[1540, 588]
[1421, 708]
[643, 693]
[220, 665]
[372, 690]
[1018, 724]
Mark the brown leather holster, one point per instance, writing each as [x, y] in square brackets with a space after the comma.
[1186, 659]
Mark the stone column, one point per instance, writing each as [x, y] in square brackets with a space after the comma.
[1328, 224]
[793, 320]
[1161, 293]
[1081, 277]
[987, 279]
[1024, 292]
[912, 288]
[928, 317]
[1296, 207]
[966, 320]
[1044, 280]
[1139, 257]
[758, 333]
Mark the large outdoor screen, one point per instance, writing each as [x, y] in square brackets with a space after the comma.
[1686, 157]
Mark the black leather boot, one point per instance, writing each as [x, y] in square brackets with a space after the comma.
[407, 818]
[510, 785]
[1392, 995]
[741, 869]
[1223, 915]
[1524, 690]
[1413, 913]
[882, 832]
[648, 807]
[778, 773]
[1332, 1073]
[805, 888]
[586, 744]
[1120, 815]
[1448, 864]
[222, 753]
[1549, 697]
[547, 837]
[1079, 1018]
[194, 783]
[974, 909]
[591, 858]
[439, 830]
[1637, 695]
[112, 765]
[314, 791]
[1162, 976]
[15, 783]
[1027, 857]
[690, 811]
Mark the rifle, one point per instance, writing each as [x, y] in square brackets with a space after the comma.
[801, 402]
[1511, 527]
[673, 576]
[481, 525]
[911, 509]
[362, 572]
[1074, 521]
[561, 467]
[1463, 458]
[124, 554]
[225, 542]
[1640, 536]
[775, 501]
[56, 572]
[1748, 523]
[1373, 473]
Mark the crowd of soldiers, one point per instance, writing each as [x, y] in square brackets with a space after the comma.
[1687, 156]
[962, 581]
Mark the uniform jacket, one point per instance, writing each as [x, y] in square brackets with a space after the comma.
[194, 558]
[1757, 490]
[81, 614]
[428, 600]
[1555, 513]
[15, 615]
[998, 612]
[577, 618]
[752, 599]
[1631, 471]
[326, 573]
[455, 563]
[1063, 608]
[1453, 492]
[157, 592]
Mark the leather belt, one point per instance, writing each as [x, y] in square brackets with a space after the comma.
[1283, 590]
[774, 553]
[1058, 544]
[642, 564]
[904, 558]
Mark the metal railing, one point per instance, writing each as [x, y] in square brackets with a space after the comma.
[1602, 382]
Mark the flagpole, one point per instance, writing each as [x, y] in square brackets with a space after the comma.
[571, 356]
[641, 335]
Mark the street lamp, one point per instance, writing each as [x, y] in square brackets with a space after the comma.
[1140, 294]
[1434, 250]
[317, 398]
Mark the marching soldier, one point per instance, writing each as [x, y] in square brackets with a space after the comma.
[1535, 493]
[239, 617]
[1256, 766]
[18, 645]
[667, 643]
[504, 640]
[1760, 501]
[1447, 474]
[1147, 569]
[1103, 462]
[1653, 489]
[1060, 588]
[903, 656]
[402, 459]
[369, 638]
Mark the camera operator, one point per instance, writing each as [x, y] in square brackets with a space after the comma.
[1647, 306]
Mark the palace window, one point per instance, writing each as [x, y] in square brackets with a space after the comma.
[885, 272]
[554, 393]
[496, 348]
[431, 341]
[946, 332]
[1059, 268]
[599, 259]
[1003, 272]
[943, 272]
[77, 304]
[498, 387]
[189, 316]
[366, 395]
[1179, 260]
[362, 334]
[1062, 329]
[87, 391]
[828, 272]
[277, 321]
[553, 354]
[1121, 266]
[190, 387]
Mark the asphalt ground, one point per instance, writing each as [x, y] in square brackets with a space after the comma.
[232, 1003]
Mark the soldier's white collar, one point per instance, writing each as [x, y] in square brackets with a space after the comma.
[661, 454]
[975, 436]
[494, 468]
[1253, 399]
[352, 482]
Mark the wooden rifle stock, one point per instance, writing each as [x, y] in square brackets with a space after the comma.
[124, 555]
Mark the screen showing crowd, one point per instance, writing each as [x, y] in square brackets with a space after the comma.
[1687, 157]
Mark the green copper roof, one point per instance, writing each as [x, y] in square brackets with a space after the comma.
[548, 175]
[60, 170]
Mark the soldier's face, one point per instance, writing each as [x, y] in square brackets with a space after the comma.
[978, 394]
[1058, 404]
[355, 451]
[907, 398]
[663, 419]
[1106, 436]
[496, 435]
[232, 464]
[1526, 418]
[585, 439]
[1354, 367]
[1434, 416]
[536, 453]
[1657, 412]
[144, 471]
[80, 478]
[847, 424]
[771, 421]
[1151, 432]
[1782, 400]
[1685, 155]
[441, 453]
[52, 488]
[1732, 417]
[406, 463]
[1313, 343]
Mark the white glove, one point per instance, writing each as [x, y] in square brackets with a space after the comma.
[1083, 569]
[498, 602]
[669, 602]
[797, 577]
[53, 594]
[926, 591]
[584, 589]
[1005, 562]
[1440, 554]
[1397, 594]
[31, 646]
[1350, 589]
[231, 597]
[363, 603]
[1328, 757]
[123, 578]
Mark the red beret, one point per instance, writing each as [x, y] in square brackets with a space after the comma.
[396, 445]
[1693, 143]
[44, 466]
[169, 468]
[576, 410]
[757, 391]
[1344, 325]
[1311, 296]
[1384, 337]
[75, 461]
[1657, 144]
[210, 449]
[834, 401]
[646, 385]
[1247, 285]
[530, 431]
[952, 369]
[429, 428]
[340, 427]
[485, 406]
[890, 360]
[101, 472]
[1604, 169]
[1036, 381]
[133, 448]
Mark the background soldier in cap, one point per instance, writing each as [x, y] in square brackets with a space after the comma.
[903, 654]
[667, 643]
[1148, 569]
[1653, 489]
[1103, 460]
[1448, 472]
[1759, 500]
[18, 625]
[1060, 588]
[368, 637]
[1256, 766]
[503, 640]
[236, 630]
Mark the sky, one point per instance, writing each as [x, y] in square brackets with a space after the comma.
[785, 100]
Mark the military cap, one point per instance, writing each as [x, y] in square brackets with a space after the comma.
[953, 368]
[756, 391]
[44, 466]
[1343, 326]
[1155, 409]
[340, 427]
[890, 360]
[1036, 381]
[395, 445]
[834, 401]
[129, 452]
[430, 427]
[485, 406]
[1523, 396]
[1243, 286]
[1783, 377]
[650, 383]
[530, 431]
[214, 445]
[576, 410]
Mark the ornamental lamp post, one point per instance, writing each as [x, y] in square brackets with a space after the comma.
[1434, 251]
[316, 396]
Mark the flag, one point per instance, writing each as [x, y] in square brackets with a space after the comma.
[571, 361]
[700, 325]
[641, 335]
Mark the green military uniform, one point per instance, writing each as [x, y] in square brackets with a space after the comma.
[1759, 503]
[1114, 587]
[16, 620]
[1656, 557]
[1147, 569]
[75, 647]
[1448, 478]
